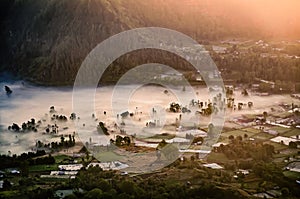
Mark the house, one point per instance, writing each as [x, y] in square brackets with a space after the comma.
[213, 166]
[217, 145]
[284, 140]
[70, 167]
[178, 140]
[68, 173]
[116, 165]
[243, 171]
[219, 49]
[14, 171]
[271, 132]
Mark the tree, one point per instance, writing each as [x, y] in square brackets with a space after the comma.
[126, 140]
[210, 130]
[245, 92]
[24, 167]
[175, 107]
[162, 144]
[265, 115]
[102, 129]
[127, 187]
[250, 104]
[285, 192]
[94, 194]
[62, 140]
[293, 145]
[6, 184]
[8, 90]
[119, 140]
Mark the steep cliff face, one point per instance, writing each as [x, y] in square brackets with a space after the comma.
[45, 41]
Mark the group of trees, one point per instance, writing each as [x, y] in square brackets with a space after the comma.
[26, 126]
[121, 141]
[63, 143]
[30, 157]
[294, 145]
[107, 184]
[205, 111]
[175, 107]
[58, 145]
[239, 149]
[270, 172]
[102, 129]
[284, 70]
[59, 117]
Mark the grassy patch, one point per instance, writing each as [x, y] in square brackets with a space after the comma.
[108, 156]
[277, 146]
[60, 158]
[40, 168]
[293, 132]
[250, 116]
[235, 133]
[217, 157]
[282, 114]
[8, 194]
[262, 136]
[251, 131]
[292, 175]
[54, 180]
[279, 129]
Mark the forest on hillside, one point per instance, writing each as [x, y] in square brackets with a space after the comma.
[46, 41]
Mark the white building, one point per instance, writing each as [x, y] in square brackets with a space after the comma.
[213, 166]
[285, 140]
[116, 165]
[70, 167]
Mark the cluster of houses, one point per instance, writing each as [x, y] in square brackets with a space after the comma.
[70, 171]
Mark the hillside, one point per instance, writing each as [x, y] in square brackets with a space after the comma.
[46, 41]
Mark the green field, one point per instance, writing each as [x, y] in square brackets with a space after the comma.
[235, 133]
[280, 130]
[293, 132]
[251, 131]
[40, 168]
[262, 136]
[108, 156]
[277, 145]
[7, 194]
[60, 158]
[291, 174]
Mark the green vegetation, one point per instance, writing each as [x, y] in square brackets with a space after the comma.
[218, 158]
[292, 175]
[279, 129]
[262, 136]
[108, 156]
[293, 132]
